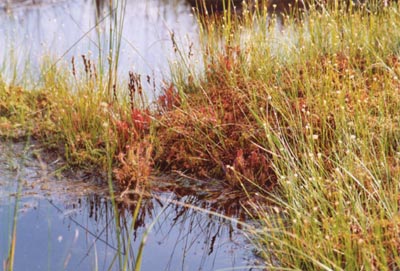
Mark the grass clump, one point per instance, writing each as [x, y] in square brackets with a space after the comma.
[317, 101]
[71, 113]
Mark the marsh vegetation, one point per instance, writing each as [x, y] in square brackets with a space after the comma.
[300, 119]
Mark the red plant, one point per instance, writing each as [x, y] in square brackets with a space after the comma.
[123, 128]
[140, 119]
[169, 99]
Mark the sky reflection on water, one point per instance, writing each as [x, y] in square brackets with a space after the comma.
[66, 29]
[68, 224]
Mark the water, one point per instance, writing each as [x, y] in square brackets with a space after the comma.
[67, 223]
[32, 29]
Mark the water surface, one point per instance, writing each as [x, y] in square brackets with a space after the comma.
[68, 223]
[31, 30]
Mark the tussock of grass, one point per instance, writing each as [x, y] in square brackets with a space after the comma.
[210, 133]
[322, 109]
[74, 116]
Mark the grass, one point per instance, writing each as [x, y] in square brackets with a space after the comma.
[304, 114]
[75, 112]
[319, 102]
[8, 263]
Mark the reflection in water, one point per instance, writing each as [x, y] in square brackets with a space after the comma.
[66, 224]
[63, 29]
